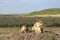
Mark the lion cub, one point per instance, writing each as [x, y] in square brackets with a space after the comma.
[24, 28]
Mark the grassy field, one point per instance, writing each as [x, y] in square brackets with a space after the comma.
[8, 21]
[53, 29]
[52, 11]
[15, 29]
[9, 25]
[9, 30]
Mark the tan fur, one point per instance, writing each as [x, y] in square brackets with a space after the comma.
[23, 28]
[37, 26]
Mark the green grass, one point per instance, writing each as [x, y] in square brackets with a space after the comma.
[50, 11]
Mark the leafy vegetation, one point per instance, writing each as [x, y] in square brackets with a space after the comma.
[18, 21]
[8, 21]
[51, 11]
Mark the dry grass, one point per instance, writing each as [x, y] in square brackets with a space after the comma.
[53, 29]
[8, 30]
[14, 29]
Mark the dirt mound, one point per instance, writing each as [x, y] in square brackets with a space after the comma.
[32, 36]
[42, 36]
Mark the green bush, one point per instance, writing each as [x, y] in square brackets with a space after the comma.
[29, 21]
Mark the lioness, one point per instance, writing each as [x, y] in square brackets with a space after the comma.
[38, 27]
